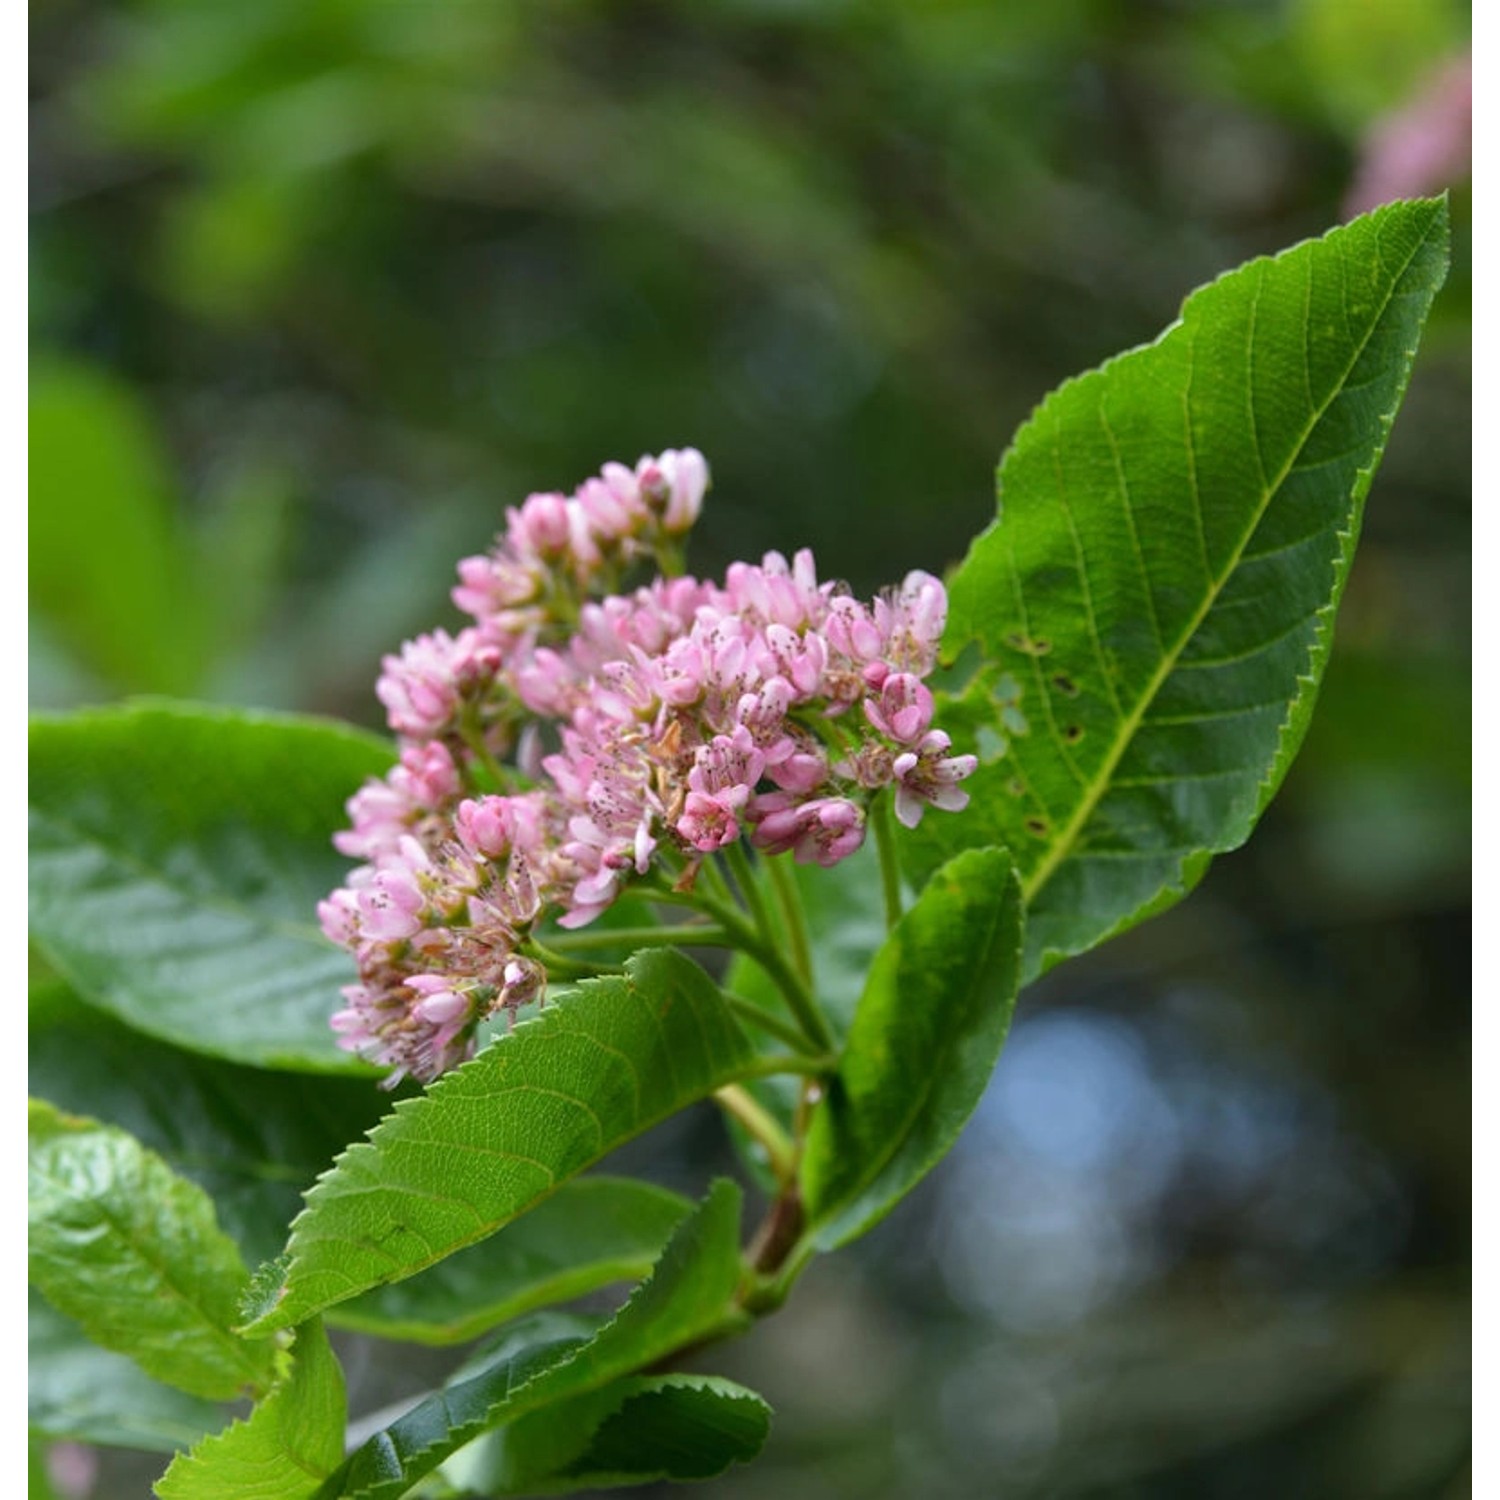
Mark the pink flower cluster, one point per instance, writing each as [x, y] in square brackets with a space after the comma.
[650, 729]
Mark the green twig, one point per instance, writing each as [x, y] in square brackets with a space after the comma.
[744, 877]
[763, 950]
[690, 934]
[789, 900]
[762, 1127]
[765, 1020]
[885, 842]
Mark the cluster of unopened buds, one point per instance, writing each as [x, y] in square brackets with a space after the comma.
[573, 741]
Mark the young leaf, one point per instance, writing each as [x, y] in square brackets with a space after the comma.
[498, 1135]
[688, 1297]
[129, 1250]
[285, 1448]
[1155, 603]
[177, 857]
[77, 1390]
[251, 1139]
[588, 1234]
[642, 1430]
[920, 1051]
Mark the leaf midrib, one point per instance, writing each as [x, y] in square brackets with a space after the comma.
[1103, 780]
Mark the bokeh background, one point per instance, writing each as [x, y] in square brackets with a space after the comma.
[320, 286]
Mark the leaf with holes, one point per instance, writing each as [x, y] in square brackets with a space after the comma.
[177, 856]
[494, 1138]
[132, 1252]
[1154, 605]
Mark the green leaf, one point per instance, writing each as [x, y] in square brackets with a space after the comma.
[252, 1140]
[498, 1135]
[642, 1430]
[589, 1233]
[1154, 605]
[177, 857]
[78, 1391]
[107, 568]
[286, 1447]
[132, 1252]
[689, 1297]
[921, 1049]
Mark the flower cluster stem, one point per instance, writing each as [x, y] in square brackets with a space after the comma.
[789, 900]
[881, 816]
[762, 1127]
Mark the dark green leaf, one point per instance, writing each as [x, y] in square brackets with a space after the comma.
[921, 1049]
[252, 1140]
[498, 1135]
[177, 857]
[77, 1390]
[688, 1297]
[640, 1430]
[1155, 603]
[286, 1447]
[591, 1232]
[132, 1252]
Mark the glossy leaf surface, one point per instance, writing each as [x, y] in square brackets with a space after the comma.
[177, 857]
[79, 1391]
[253, 1140]
[132, 1252]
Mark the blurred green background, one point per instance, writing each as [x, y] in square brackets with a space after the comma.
[320, 286]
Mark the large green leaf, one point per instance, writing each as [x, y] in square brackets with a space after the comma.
[251, 1139]
[589, 1233]
[498, 1135]
[1154, 605]
[688, 1297]
[285, 1448]
[641, 1430]
[177, 856]
[79, 1391]
[132, 1252]
[921, 1048]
